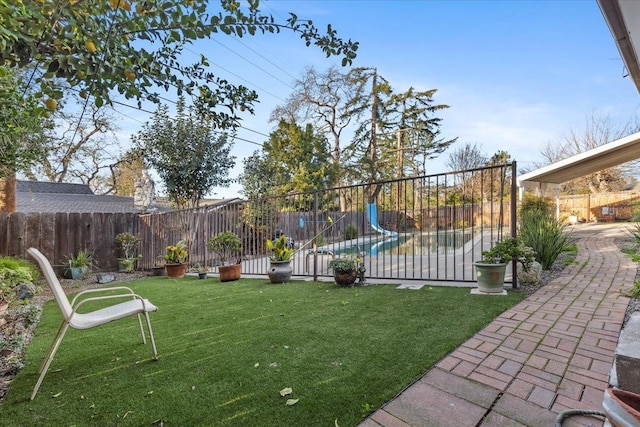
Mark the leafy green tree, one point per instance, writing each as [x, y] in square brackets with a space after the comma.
[292, 161]
[319, 99]
[134, 46]
[188, 152]
[20, 133]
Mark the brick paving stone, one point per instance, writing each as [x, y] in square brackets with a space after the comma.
[601, 367]
[542, 397]
[496, 374]
[550, 341]
[607, 344]
[496, 420]
[595, 353]
[472, 391]
[487, 347]
[524, 412]
[425, 406]
[532, 379]
[527, 346]
[461, 353]
[570, 389]
[556, 368]
[589, 373]
[568, 345]
[537, 361]
[512, 342]
[492, 361]
[511, 354]
[520, 388]
[489, 380]
[592, 397]
[553, 350]
[581, 379]
[472, 343]
[479, 355]
[448, 363]
[464, 368]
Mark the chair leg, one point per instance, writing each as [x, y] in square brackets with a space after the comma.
[44, 361]
[47, 362]
[153, 341]
[144, 340]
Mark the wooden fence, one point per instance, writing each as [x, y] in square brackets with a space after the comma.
[59, 235]
[617, 206]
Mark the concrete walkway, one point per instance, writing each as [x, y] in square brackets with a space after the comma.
[551, 352]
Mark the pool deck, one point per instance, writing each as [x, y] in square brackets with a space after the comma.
[549, 353]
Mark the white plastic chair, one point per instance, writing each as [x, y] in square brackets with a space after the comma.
[135, 305]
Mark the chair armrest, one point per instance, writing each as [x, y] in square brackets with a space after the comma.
[89, 291]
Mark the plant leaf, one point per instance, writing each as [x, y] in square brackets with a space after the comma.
[291, 402]
[58, 395]
[286, 391]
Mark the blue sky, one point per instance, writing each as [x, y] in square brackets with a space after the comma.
[515, 74]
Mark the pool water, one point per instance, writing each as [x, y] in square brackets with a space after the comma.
[417, 244]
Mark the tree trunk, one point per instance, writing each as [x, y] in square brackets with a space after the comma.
[8, 194]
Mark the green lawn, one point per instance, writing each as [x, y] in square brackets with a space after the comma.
[228, 349]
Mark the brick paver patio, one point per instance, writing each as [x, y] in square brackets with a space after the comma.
[551, 352]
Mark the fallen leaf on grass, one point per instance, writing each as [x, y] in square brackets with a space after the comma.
[286, 391]
[291, 402]
[56, 395]
[256, 365]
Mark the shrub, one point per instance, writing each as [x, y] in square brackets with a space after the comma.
[547, 236]
[15, 273]
[351, 232]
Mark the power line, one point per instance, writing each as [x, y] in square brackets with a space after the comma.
[264, 57]
[259, 68]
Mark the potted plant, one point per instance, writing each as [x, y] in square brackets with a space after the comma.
[228, 246]
[202, 270]
[126, 246]
[176, 260]
[491, 269]
[280, 269]
[79, 265]
[346, 269]
[158, 268]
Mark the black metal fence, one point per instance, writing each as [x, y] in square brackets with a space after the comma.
[426, 228]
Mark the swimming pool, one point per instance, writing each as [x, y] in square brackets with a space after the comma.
[414, 243]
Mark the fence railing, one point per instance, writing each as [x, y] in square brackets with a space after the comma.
[425, 228]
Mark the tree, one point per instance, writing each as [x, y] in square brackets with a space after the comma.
[189, 153]
[464, 159]
[319, 99]
[418, 130]
[20, 130]
[599, 129]
[292, 161]
[133, 47]
[77, 147]
[396, 130]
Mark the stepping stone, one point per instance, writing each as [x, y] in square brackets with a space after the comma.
[413, 286]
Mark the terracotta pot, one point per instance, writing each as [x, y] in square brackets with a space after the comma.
[345, 278]
[230, 273]
[622, 407]
[176, 271]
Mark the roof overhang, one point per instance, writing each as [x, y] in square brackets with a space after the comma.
[615, 153]
[623, 18]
